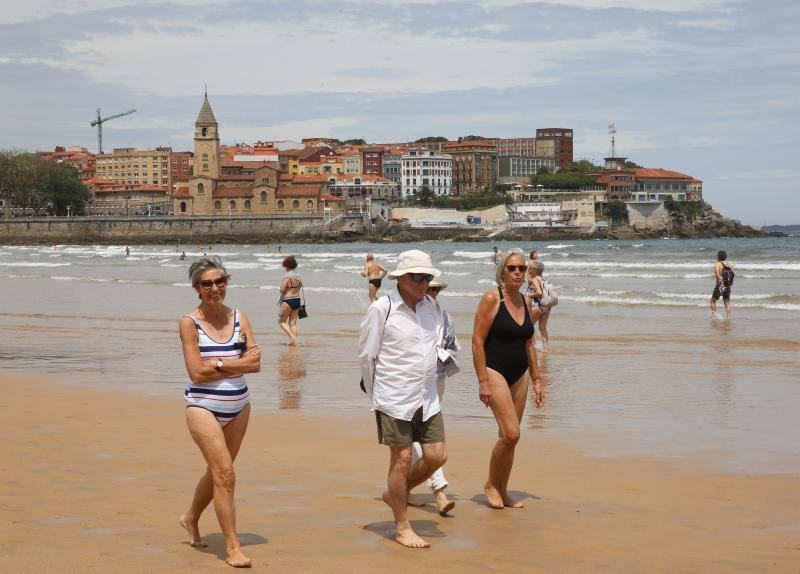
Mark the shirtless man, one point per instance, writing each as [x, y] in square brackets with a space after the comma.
[497, 255]
[375, 272]
[723, 281]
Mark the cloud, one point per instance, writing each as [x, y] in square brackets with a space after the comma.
[292, 130]
[766, 173]
[718, 24]
[597, 144]
[14, 12]
[639, 5]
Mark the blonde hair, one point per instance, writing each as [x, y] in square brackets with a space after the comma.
[501, 267]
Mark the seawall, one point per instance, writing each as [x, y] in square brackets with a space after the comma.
[137, 230]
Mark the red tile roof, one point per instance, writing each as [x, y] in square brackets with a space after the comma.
[658, 173]
[326, 197]
[182, 192]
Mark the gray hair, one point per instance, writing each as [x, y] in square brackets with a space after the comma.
[537, 264]
[501, 267]
[204, 264]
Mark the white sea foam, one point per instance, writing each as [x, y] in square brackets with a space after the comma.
[776, 265]
[638, 245]
[560, 246]
[349, 267]
[64, 278]
[474, 255]
[32, 264]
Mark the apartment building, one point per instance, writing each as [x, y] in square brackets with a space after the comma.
[130, 166]
[515, 168]
[519, 147]
[474, 165]
[419, 167]
[555, 142]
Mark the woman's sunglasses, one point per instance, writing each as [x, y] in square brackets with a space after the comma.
[520, 268]
[219, 282]
[420, 277]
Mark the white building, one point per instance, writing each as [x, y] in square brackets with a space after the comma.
[539, 214]
[420, 167]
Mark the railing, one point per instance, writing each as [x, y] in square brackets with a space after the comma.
[317, 225]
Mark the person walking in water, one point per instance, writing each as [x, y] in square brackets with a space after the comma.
[540, 313]
[397, 349]
[723, 277]
[290, 299]
[218, 349]
[374, 272]
[444, 368]
[497, 255]
[505, 363]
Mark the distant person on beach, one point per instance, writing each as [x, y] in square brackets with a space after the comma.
[497, 255]
[290, 299]
[539, 312]
[447, 368]
[723, 277]
[218, 349]
[183, 256]
[397, 349]
[534, 255]
[374, 272]
[127, 250]
[505, 362]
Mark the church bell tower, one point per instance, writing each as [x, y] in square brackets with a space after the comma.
[206, 143]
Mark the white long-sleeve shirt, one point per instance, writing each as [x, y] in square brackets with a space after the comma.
[398, 356]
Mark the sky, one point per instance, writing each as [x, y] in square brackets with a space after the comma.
[710, 88]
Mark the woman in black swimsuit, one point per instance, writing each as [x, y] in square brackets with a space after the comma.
[504, 358]
[290, 299]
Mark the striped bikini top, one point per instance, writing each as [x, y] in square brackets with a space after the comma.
[230, 349]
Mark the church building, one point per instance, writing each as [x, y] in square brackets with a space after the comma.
[223, 187]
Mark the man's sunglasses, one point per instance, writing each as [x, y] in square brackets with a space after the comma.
[219, 282]
[520, 268]
[420, 277]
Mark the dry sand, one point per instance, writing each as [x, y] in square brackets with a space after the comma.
[94, 481]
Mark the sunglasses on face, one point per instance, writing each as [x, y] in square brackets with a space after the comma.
[520, 268]
[219, 282]
[420, 277]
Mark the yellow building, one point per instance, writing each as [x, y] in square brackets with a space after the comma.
[130, 166]
[474, 165]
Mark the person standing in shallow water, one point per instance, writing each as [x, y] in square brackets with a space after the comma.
[374, 272]
[505, 363]
[290, 299]
[723, 277]
[218, 349]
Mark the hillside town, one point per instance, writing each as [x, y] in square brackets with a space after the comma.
[423, 183]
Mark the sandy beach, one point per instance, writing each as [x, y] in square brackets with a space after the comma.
[94, 480]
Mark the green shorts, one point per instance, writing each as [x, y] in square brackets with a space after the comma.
[397, 432]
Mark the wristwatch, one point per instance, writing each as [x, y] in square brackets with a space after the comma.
[220, 364]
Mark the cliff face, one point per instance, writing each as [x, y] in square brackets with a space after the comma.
[708, 223]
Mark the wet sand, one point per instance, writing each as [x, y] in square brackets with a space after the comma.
[94, 480]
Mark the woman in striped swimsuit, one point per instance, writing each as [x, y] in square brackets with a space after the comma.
[218, 348]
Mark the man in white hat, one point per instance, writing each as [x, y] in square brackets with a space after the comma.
[397, 348]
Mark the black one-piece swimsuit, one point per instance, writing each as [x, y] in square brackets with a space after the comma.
[505, 343]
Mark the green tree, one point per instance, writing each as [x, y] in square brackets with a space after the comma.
[473, 138]
[581, 166]
[631, 165]
[425, 195]
[616, 211]
[431, 139]
[355, 141]
[32, 182]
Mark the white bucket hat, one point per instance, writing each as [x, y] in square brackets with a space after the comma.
[413, 261]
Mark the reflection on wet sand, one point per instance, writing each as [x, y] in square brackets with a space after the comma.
[290, 370]
[537, 417]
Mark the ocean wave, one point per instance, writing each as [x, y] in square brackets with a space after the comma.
[349, 267]
[560, 246]
[776, 265]
[33, 264]
[474, 255]
[683, 302]
[638, 245]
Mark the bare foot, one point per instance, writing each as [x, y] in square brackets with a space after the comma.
[443, 503]
[194, 531]
[493, 498]
[409, 539]
[511, 503]
[413, 501]
[292, 342]
[237, 559]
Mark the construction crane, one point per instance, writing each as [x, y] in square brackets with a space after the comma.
[99, 123]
